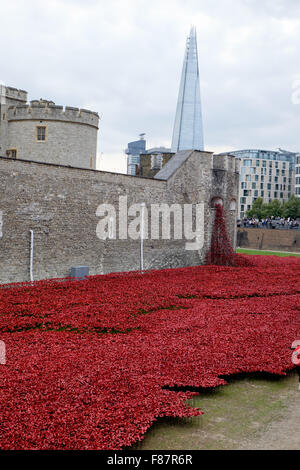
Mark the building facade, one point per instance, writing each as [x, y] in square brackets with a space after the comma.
[188, 127]
[133, 152]
[42, 131]
[141, 161]
[297, 176]
[59, 206]
[153, 161]
[264, 174]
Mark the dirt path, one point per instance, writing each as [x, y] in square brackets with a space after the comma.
[281, 434]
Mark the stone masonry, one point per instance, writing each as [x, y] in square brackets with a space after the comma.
[69, 134]
[150, 164]
[268, 239]
[59, 204]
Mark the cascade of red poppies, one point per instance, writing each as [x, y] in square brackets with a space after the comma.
[92, 364]
[221, 252]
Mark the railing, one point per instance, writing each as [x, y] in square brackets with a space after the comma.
[269, 225]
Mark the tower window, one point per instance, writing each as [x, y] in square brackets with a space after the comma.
[41, 133]
[156, 161]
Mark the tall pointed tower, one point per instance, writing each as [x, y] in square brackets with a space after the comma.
[188, 129]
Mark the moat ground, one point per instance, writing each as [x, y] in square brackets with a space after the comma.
[254, 411]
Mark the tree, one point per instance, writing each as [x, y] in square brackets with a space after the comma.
[275, 208]
[257, 209]
[292, 207]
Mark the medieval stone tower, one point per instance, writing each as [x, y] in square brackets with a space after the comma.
[44, 132]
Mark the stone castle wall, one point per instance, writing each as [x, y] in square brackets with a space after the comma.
[60, 204]
[71, 133]
[48, 111]
[72, 144]
[13, 96]
[268, 239]
[146, 169]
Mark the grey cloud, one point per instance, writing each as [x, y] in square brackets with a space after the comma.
[123, 58]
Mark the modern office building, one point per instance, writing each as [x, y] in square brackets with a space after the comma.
[133, 152]
[265, 174]
[188, 128]
[297, 176]
[137, 154]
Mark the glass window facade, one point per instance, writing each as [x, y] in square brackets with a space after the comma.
[134, 150]
[297, 179]
[264, 174]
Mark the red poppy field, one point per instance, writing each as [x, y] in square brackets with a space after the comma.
[92, 364]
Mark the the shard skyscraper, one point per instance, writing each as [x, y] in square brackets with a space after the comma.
[188, 128]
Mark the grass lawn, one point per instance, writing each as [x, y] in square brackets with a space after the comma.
[266, 253]
[234, 414]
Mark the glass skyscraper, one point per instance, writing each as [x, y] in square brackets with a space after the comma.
[188, 128]
[133, 151]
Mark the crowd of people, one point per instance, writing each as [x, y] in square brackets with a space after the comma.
[269, 222]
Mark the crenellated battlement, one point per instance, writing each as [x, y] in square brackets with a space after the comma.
[15, 94]
[44, 110]
[227, 163]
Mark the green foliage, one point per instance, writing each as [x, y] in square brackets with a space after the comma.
[275, 208]
[258, 209]
[292, 207]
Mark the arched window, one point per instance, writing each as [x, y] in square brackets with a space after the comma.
[232, 206]
[215, 201]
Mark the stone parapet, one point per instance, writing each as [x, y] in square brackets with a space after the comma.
[43, 110]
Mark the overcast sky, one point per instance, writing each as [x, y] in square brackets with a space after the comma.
[123, 58]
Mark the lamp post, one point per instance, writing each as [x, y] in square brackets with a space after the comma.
[143, 205]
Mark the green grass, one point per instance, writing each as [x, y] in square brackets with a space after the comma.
[233, 414]
[245, 251]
